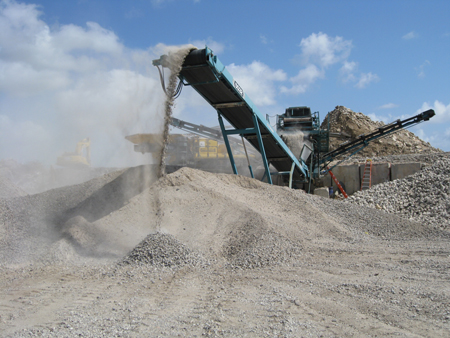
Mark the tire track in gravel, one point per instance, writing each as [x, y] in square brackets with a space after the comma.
[39, 301]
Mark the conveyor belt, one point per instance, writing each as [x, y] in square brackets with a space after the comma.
[363, 141]
[206, 74]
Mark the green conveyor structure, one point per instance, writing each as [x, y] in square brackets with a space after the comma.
[203, 71]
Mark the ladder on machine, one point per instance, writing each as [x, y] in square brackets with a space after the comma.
[366, 181]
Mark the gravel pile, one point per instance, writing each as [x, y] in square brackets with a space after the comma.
[426, 159]
[254, 245]
[423, 197]
[193, 216]
[348, 122]
[30, 224]
[226, 255]
[162, 250]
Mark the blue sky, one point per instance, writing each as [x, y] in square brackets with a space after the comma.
[76, 69]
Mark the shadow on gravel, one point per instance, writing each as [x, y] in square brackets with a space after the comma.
[114, 194]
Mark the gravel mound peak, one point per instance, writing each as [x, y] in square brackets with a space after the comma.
[344, 120]
[162, 250]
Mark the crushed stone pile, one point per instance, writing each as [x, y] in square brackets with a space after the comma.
[255, 245]
[346, 121]
[189, 217]
[423, 197]
[162, 250]
[425, 159]
[195, 252]
[29, 225]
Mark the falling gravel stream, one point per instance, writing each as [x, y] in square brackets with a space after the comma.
[175, 62]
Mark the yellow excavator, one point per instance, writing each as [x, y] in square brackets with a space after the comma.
[80, 158]
[202, 149]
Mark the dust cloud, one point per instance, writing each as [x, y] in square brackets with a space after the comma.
[295, 141]
[72, 219]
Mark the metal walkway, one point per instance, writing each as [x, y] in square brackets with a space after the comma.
[207, 75]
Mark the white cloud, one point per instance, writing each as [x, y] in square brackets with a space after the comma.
[375, 117]
[215, 46]
[263, 39]
[388, 106]
[419, 132]
[134, 13]
[320, 52]
[94, 38]
[435, 130]
[410, 35]
[258, 81]
[347, 71]
[34, 58]
[365, 79]
[421, 69]
[323, 50]
[22, 79]
[304, 79]
[442, 111]
[62, 84]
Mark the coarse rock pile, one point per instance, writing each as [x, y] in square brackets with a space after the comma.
[423, 197]
[162, 250]
[346, 121]
[425, 159]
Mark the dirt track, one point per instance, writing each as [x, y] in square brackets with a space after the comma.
[271, 262]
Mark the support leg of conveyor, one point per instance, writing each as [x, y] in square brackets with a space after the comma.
[227, 144]
[251, 171]
[246, 155]
[261, 148]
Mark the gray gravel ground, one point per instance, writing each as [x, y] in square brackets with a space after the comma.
[223, 256]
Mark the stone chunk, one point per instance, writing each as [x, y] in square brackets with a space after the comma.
[322, 192]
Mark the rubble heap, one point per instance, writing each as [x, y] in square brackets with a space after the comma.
[347, 122]
[423, 197]
[159, 249]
